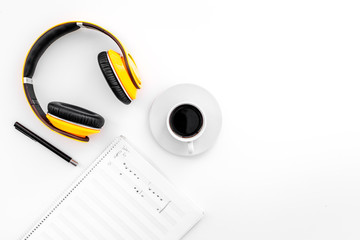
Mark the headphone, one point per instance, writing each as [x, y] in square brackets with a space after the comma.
[119, 70]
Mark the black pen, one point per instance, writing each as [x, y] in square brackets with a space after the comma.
[43, 142]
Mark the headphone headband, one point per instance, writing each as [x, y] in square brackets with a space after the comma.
[37, 50]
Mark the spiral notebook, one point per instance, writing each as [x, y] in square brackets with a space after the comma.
[120, 196]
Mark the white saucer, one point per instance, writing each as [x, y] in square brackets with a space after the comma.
[179, 94]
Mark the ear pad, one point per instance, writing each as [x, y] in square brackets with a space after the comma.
[112, 79]
[76, 114]
[73, 119]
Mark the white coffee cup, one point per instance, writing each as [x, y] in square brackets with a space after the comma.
[186, 122]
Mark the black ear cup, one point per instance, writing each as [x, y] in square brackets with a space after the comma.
[111, 79]
[75, 114]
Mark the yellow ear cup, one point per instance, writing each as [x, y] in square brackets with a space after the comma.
[118, 64]
[74, 119]
[134, 70]
[71, 127]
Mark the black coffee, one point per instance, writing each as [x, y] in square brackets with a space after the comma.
[186, 120]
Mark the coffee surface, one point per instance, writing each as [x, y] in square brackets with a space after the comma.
[186, 120]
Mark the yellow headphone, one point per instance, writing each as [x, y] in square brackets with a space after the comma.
[77, 123]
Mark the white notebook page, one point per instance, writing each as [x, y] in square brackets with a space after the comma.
[120, 196]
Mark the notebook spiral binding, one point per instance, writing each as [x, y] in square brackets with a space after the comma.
[74, 186]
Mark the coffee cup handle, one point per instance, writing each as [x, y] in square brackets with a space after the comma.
[191, 147]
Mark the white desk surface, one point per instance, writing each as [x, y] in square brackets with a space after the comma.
[286, 74]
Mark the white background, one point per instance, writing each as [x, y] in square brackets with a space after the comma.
[286, 74]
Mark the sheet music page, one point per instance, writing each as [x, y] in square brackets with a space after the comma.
[120, 196]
